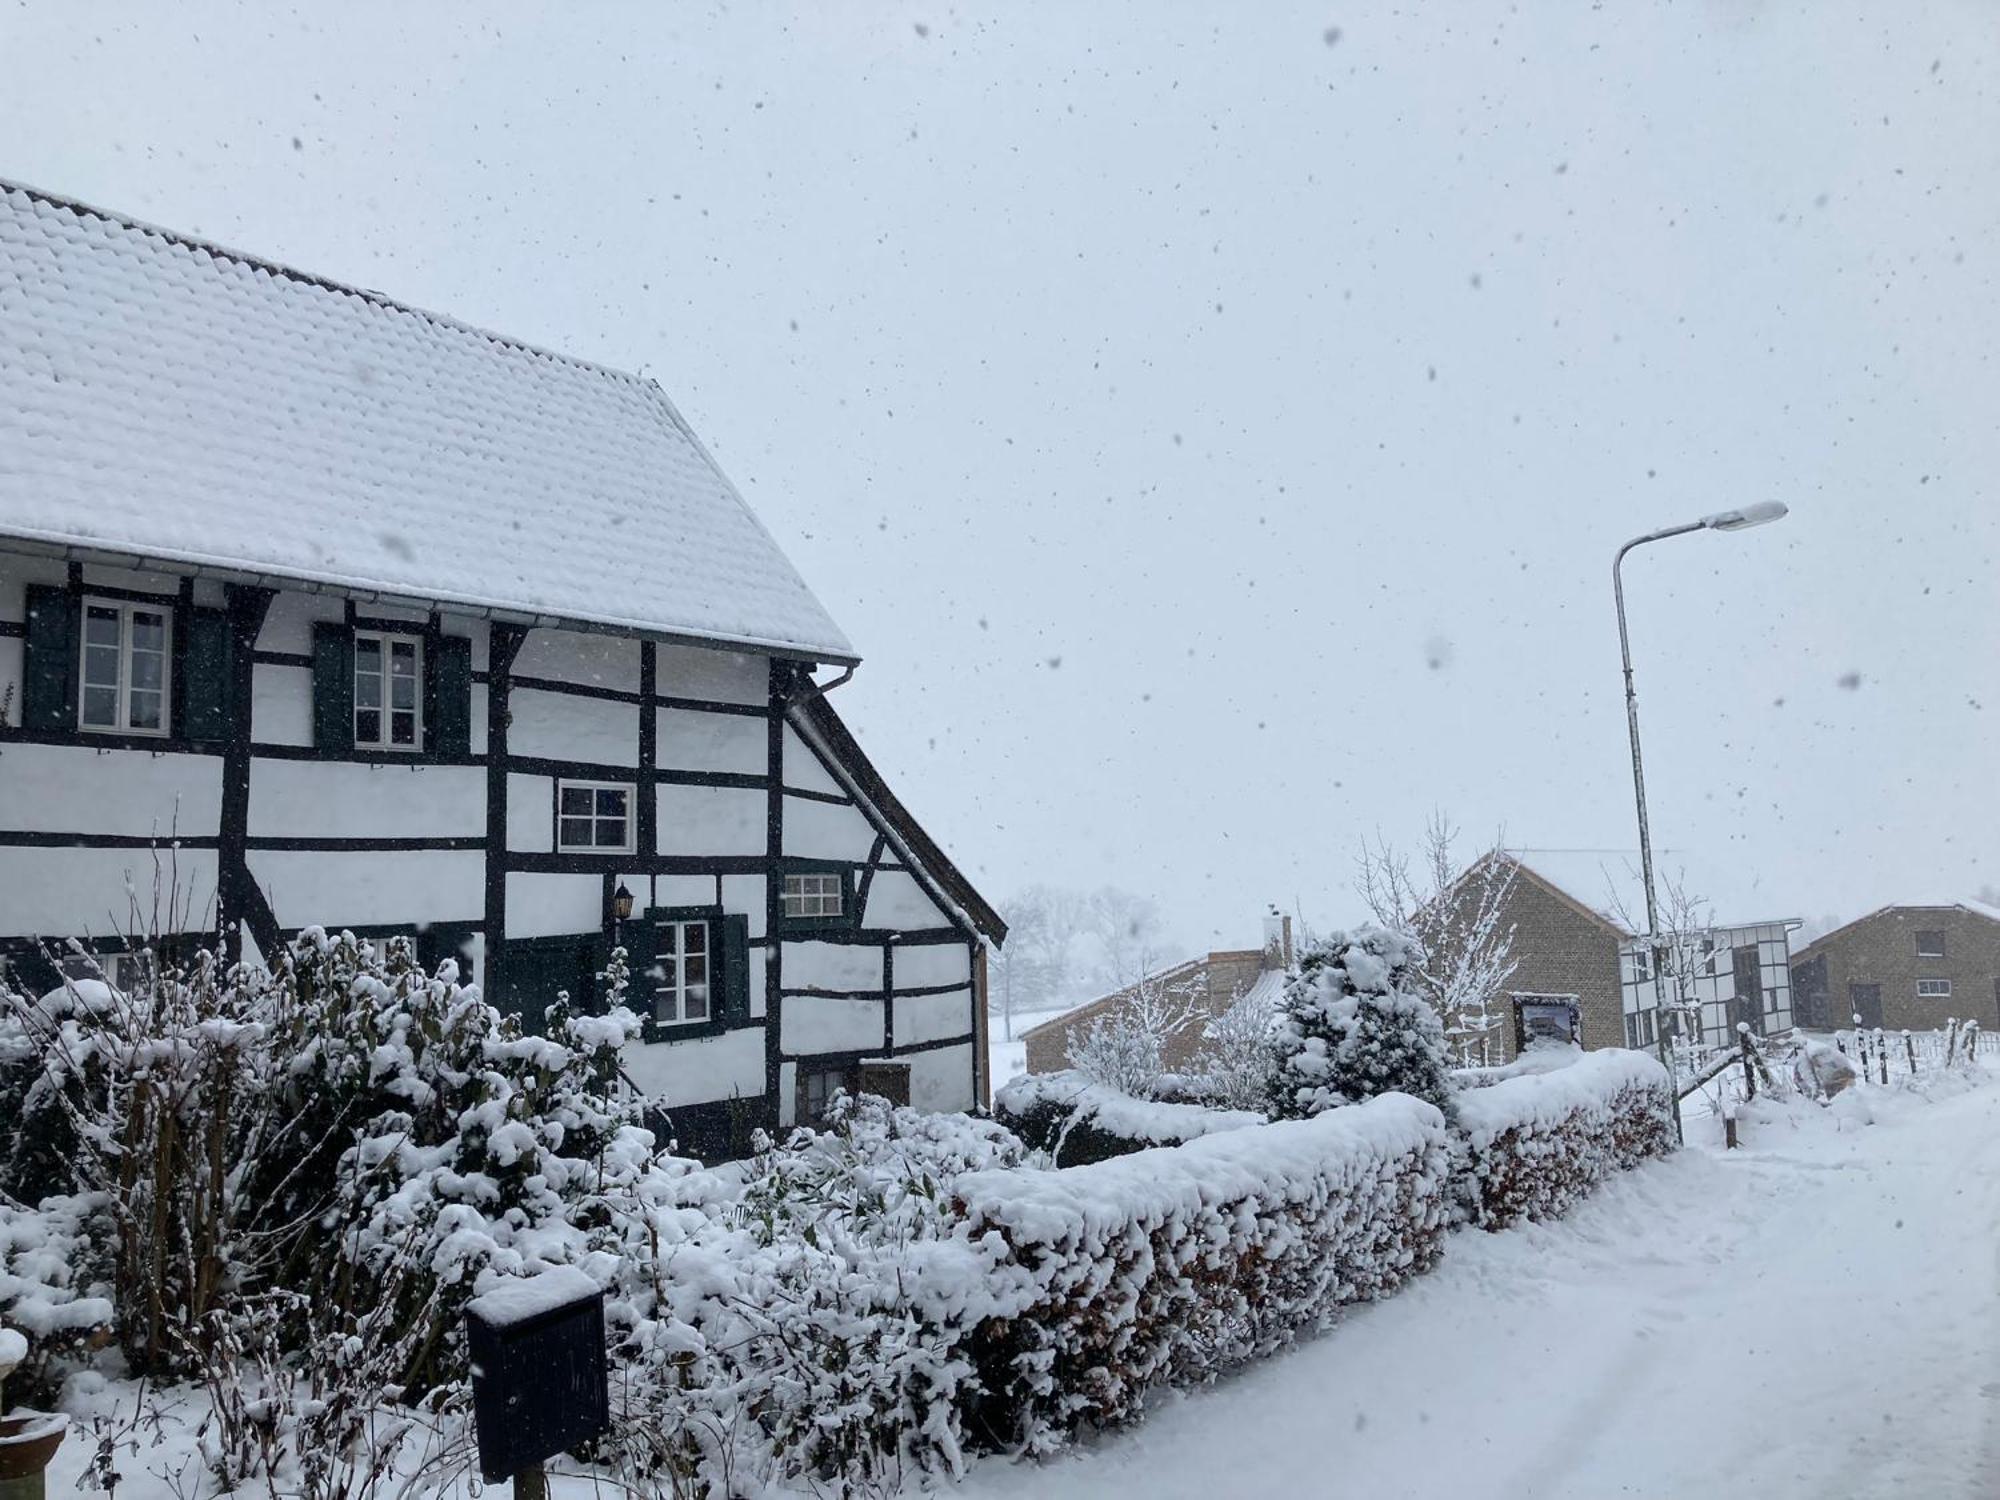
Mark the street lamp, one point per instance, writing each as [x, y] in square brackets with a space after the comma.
[1723, 520]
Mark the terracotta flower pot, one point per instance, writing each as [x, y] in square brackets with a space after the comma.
[28, 1440]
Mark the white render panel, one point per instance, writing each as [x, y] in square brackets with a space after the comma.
[691, 740]
[932, 1018]
[826, 830]
[700, 1070]
[713, 676]
[531, 811]
[683, 890]
[476, 741]
[788, 1093]
[803, 769]
[11, 667]
[815, 1024]
[941, 1080]
[70, 789]
[745, 894]
[540, 905]
[895, 900]
[281, 708]
[365, 799]
[314, 888]
[562, 726]
[289, 621]
[832, 966]
[921, 965]
[605, 661]
[706, 820]
[144, 580]
[74, 892]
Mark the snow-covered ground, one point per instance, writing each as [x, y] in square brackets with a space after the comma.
[1811, 1316]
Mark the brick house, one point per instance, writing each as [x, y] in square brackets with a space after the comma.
[1903, 967]
[1210, 985]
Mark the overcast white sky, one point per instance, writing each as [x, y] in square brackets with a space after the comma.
[1214, 423]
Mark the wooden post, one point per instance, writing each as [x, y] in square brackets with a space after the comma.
[1910, 1047]
[1950, 1041]
[1749, 1068]
[531, 1483]
[1729, 1131]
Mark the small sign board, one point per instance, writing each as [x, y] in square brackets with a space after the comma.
[540, 1385]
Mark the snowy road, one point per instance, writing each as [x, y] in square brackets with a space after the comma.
[1814, 1316]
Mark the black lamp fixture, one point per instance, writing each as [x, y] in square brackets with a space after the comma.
[621, 902]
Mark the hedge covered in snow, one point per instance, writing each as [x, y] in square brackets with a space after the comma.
[1170, 1266]
[1078, 1122]
[1538, 1143]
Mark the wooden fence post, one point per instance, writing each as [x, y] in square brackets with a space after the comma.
[1910, 1047]
[1749, 1065]
[1882, 1056]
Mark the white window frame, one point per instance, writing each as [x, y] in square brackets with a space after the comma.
[1933, 989]
[384, 739]
[670, 996]
[631, 818]
[818, 896]
[125, 609]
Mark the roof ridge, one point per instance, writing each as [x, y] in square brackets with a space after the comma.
[278, 268]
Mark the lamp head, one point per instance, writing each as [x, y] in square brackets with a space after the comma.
[1749, 515]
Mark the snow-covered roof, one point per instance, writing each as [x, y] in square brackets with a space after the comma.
[165, 399]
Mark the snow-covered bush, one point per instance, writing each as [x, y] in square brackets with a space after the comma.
[1536, 1144]
[1171, 1266]
[1077, 1121]
[1125, 1048]
[1354, 1024]
[1238, 1060]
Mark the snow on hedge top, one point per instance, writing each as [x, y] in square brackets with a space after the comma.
[167, 399]
[1119, 1113]
[1540, 1100]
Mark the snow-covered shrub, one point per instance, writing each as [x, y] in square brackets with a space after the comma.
[1101, 1283]
[1353, 1024]
[49, 1290]
[1125, 1048]
[1536, 1144]
[1077, 1121]
[1238, 1060]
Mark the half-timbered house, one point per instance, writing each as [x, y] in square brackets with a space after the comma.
[318, 609]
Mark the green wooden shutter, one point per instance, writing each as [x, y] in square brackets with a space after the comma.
[48, 688]
[735, 968]
[452, 696]
[333, 686]
[207, 683]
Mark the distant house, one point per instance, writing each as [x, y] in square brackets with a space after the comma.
[1208, 986]
[1903, 967]
[366, 618]
[1575, 956]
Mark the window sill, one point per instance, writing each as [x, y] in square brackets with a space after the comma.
[685, 1031]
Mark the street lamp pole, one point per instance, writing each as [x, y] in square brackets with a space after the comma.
[1727, 520]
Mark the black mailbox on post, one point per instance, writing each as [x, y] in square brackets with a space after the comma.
[539, 1383]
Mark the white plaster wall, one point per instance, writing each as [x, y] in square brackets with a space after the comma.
[682, 890]
[289, 621]
[812, 1024]
[694, 741]
[314, 888]
[66, 789]
[700, 1071]
[561, 726]
[942, 1079]
[281, 706]
[358, 799]
[932, 1018]
[531, 804]
[788, 1093]
[12, 682]
[718, 676]
[823, 830]
[605, 661]
[74, 892]
[476, 740]
[745, 893]
[97, 575]
[710, 820]
[833, 966]
[895, 900]
[803, 768]
[541, 905]
[922, 964]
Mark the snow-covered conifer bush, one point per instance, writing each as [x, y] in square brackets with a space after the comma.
[1353, 1024]
[1536, 1144]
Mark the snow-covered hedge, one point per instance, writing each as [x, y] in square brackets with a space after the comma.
[1538, 1143]
[1078, 1122]
[1170, 1266]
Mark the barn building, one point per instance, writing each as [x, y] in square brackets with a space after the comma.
[318, 609]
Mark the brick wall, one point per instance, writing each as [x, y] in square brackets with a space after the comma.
[1882, 950]
[1561, 949]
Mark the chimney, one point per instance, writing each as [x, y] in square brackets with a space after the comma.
[1277, 941]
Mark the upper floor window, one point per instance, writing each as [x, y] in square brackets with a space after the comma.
[1930, 945]
[593, 817]
[814, 893]
[684, 960]
[388, 697]
[127, 657]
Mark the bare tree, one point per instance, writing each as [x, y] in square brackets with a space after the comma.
[1127, 928]
[1038, 961]
[1457, 913]
[1125, 1048]
[1683, 949]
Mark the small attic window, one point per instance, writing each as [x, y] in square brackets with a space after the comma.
[1930, 945]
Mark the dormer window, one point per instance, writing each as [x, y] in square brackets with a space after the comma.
[388, 695]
